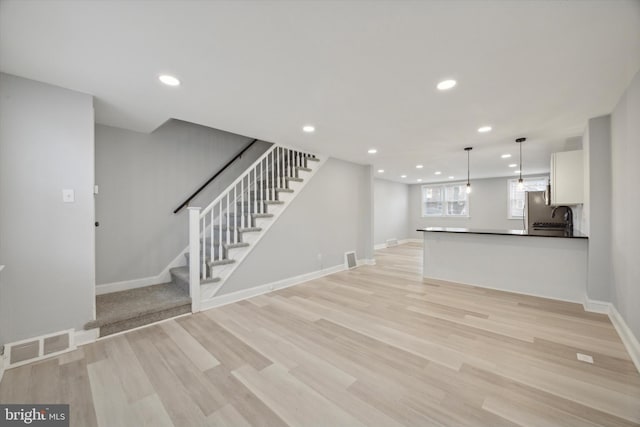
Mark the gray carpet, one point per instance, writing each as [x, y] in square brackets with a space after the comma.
[124, 310]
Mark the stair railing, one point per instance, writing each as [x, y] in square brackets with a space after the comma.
[217, 228]
[210, 180]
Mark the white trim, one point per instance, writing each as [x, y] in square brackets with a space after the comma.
[83, 337]
[163, 277]
[268, 287]
[531, 294]
[629, 340]
[402, 241]
[594, 306]
[365, 261]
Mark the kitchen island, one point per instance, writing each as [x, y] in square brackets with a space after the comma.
[508, 260]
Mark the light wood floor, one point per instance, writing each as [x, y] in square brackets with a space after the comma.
[375, 346]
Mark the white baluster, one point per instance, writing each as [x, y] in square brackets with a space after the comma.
[203, 271]
[228, 222]
[212, 235]
[235, 217]
[242, 202]
[219, 257]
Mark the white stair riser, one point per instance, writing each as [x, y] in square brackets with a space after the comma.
[295, 185]
[263, 222]
[285, 196]
[250, 237]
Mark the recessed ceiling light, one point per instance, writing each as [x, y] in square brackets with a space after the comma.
[513, 165]
[506, 156]
[419, 166]
[484, 129]
[169, 80]
[451, 177]
[403, 176]
[518, 171]
[437, 173]
[380, 170]
[372, 151]
[308, 129]
[446, 84]
[419, 180]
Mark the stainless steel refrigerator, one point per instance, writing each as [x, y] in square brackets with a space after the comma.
[537, 215]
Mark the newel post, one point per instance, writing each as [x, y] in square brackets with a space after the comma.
[194, 258]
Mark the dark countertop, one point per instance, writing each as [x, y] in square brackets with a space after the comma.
[576, 235]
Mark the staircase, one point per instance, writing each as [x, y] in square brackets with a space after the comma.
[220, 238]
[225, 232]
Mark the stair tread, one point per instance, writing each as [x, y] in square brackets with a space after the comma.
[223, 261]
[262, 215]
[249, 229]
[137, 303]
[302, 168]
[313, 159]
[293, 178]
[273, 202]
[284, 190]
[235, 245]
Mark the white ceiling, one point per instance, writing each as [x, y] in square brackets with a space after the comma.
[363, 72]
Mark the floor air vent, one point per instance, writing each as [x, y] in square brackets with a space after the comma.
[350, 259]
[392, 242]
[26, 351]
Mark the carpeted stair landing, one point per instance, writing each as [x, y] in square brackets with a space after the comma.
[120, 311]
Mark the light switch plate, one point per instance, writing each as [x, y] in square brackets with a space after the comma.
[68, 195]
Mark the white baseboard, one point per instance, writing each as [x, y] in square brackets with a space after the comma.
[402, 241]
[365, 261]
[629, 340]
[596, 306]
[163, 277]
[268, 287]
[86, 336]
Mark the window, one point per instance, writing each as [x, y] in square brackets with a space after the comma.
[516, 197]
[445, 200]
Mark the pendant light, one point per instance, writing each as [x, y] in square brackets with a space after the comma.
[520, 181]
[468, 150]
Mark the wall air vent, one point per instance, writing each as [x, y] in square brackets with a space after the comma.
[350, 260]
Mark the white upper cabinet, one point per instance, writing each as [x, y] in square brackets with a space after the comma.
[567, 178]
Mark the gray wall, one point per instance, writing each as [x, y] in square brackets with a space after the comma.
[488, 208]
[597, 206]
[46, 145]
[142, 178]
[332, 215]
[625, 205]
[391, 210]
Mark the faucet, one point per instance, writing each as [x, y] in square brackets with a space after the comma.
[568, 219]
